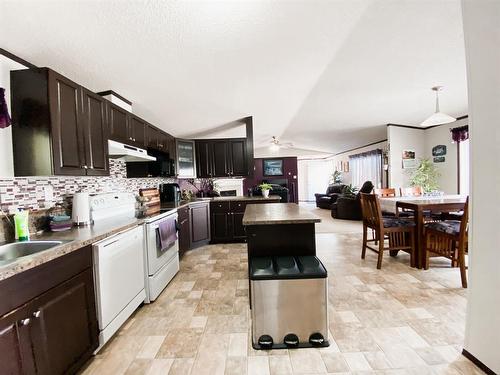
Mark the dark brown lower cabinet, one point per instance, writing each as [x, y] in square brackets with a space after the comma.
[184, 225]
[15, 343]
[220, 227]
[199, 214]
[54, 331]
[227, 219]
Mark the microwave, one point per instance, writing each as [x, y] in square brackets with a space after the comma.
[164, 166]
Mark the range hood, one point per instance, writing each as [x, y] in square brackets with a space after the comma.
[127, 153]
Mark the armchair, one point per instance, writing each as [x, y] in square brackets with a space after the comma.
[332, 193]
[349, 207]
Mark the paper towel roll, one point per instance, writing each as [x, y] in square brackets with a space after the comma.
[81, 209]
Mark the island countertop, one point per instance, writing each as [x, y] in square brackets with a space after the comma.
[278, 213]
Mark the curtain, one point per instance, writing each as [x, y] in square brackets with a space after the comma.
[4, 112]
[460, 134]
[366, 166]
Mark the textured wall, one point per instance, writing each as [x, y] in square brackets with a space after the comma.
[289, 170]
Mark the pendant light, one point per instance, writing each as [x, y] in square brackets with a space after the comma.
[438, 117]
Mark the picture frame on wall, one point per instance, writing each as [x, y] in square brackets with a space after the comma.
[272, 167]
[409, 160]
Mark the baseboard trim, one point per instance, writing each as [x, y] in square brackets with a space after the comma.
[478, 363]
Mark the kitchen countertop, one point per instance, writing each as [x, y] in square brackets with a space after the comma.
[241, 198]
[79, 237]
[278, 213]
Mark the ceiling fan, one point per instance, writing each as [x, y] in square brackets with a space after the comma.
[276, 144]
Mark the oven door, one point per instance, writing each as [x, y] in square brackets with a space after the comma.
[156, 257]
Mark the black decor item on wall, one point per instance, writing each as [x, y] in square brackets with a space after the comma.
[439, 150]
[272, 167]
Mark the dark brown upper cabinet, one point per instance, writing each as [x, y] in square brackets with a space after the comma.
[238, 156]
[222, 158]
[137, 131]
[153, 136]
[203, 159]
[95, 134]
[59, 128]
[118, 124]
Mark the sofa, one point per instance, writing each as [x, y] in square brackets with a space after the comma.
[332, 193]
[348, 207]
[275, 190]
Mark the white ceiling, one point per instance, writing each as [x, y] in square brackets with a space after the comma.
[325, 75]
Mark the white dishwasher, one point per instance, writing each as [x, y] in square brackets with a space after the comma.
[119, 279]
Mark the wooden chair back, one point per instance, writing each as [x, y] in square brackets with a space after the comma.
[383, 193]
[372, 214]
[464, 222]
[413, 191]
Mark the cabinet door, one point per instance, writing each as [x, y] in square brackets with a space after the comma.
[238, 229]
[118, 124]
[200, 223]
[183, 220]
[64, 329]
[163, 141]
[137, 131]
[203, 159]
[186, 159]
[153, 136]
[95, 130]
[15, 343]
[220, 227]
[170, 146]
[238, 157]
[67, 134]
[220, 158]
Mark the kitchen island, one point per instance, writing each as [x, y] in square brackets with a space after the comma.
[275, 229]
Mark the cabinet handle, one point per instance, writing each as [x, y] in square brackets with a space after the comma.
[36, 314]
[85, 167]
[25, 322]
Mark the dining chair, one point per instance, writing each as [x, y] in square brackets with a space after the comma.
[412, 191]
[448, 239]
[383, 193]
[396, 233]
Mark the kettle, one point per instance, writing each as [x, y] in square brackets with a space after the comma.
[81, 209]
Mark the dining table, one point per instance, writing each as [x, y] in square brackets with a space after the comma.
[420, 205]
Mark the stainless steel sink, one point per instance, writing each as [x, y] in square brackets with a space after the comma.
[10, 252]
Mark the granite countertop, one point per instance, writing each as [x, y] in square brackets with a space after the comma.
[79, 237]
[75, 239]
[278, 213]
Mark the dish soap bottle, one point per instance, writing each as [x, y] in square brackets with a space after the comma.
[21, 225]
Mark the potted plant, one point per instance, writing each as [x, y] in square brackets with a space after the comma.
[336, 177]
[265, 188]
[426, 175]
[350, 191]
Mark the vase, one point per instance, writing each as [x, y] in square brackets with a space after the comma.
[265, 193]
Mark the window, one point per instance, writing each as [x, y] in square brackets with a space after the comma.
[366, 167]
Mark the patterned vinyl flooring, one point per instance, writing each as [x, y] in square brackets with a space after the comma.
[397, 320]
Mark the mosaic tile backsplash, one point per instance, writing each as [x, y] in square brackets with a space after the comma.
[38, 193]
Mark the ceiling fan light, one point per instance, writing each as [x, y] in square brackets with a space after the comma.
[438, 118]
[274, 147]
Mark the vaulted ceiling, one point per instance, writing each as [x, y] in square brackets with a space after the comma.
[325, 75]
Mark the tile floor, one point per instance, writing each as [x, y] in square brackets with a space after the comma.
[394, 321]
